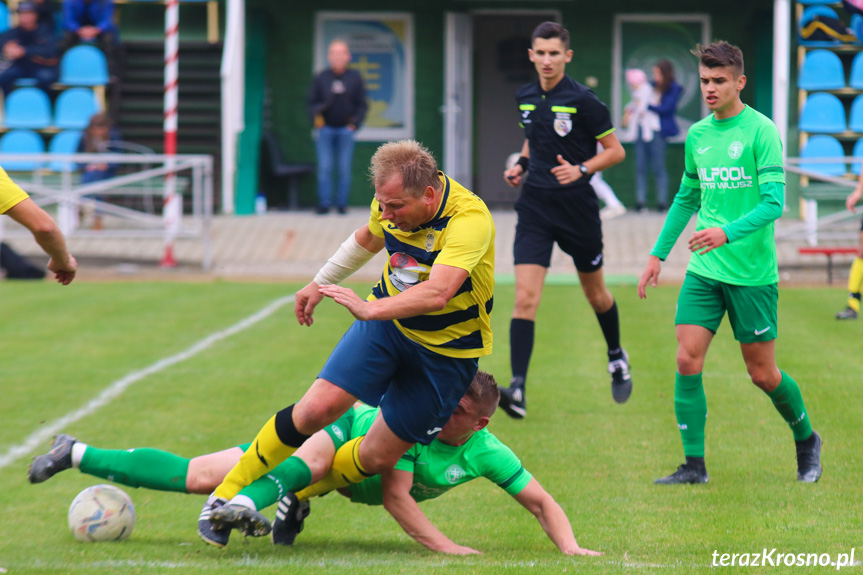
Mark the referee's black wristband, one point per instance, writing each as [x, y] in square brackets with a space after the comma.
[523, 161]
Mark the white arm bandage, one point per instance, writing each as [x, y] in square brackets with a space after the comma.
[350, 257]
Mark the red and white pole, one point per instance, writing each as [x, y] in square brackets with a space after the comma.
[172, 207]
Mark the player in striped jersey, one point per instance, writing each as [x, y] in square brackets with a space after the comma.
[418, 337]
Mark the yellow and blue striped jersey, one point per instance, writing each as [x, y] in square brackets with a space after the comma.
[10, 193]
[461, 234]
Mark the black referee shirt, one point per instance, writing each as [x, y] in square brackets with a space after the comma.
[568, 120]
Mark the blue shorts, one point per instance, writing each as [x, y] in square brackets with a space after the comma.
[417, 389]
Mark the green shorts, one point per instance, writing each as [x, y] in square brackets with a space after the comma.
[751, 309]
[355, 422]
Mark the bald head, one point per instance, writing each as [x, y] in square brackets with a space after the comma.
[339, 56]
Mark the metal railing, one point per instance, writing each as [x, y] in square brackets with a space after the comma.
[144, 179]
[811, 221]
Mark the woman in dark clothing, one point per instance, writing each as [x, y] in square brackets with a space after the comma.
[667, 96]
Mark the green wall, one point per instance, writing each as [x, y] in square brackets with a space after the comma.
[739, 22]
[146, 21]
[290, 56]
[290, 74]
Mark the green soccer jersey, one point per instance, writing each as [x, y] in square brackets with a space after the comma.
[728, 164]
[439, 467]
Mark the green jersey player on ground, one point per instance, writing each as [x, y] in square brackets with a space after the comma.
[463, 450]
[735, 181]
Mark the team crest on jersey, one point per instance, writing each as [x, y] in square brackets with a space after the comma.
[454, 474]
[429, 241]
[562, 124]
[405, 271]
[735, 150]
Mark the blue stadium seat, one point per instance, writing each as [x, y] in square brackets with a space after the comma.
[855, 120]
[811, 12]
[64, 143]
[21, 142]
[823, 113]
[815, 2]
[28, 108]
[823, 147]
[74, 107]
[822, 70]
[857, 167]
[856, 25]
[856, 78]
[83, 65]
[4, 17]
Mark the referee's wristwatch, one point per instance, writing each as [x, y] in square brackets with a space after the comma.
[583, 169]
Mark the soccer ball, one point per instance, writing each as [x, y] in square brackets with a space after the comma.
[101, 513]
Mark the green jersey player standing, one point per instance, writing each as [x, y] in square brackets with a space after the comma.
[734, 179]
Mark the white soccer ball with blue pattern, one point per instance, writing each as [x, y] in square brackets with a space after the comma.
[102, 513]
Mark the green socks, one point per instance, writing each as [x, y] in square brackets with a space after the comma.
[789, 403]
[690, 407]
[150, 468]
[291, 475]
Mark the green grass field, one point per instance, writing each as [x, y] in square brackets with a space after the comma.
[61, 347]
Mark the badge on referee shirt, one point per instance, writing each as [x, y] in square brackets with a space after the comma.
[562, 123]
[430, 242]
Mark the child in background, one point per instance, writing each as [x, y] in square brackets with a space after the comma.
[644, 124]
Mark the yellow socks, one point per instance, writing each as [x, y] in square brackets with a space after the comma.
[855, 283]
[265, 453]
[346, 469]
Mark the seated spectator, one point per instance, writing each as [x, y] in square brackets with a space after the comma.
[28, 51]
[95, 140]
[45, 9]
[91, 21]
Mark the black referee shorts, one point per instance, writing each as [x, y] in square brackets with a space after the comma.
[568, 217]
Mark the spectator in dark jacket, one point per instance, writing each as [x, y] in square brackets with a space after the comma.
[28, 51]
[45, 9]
[337, 103]
[667, 95]
[96, 139]
[91, 21]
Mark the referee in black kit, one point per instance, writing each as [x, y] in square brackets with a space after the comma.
[563, 121]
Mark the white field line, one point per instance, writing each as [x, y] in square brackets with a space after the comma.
[257, 560]
[118, 387]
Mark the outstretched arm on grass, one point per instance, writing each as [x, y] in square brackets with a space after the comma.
[552, 518]
[404, 509]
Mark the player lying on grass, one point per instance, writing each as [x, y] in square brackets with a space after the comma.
[463, 450]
